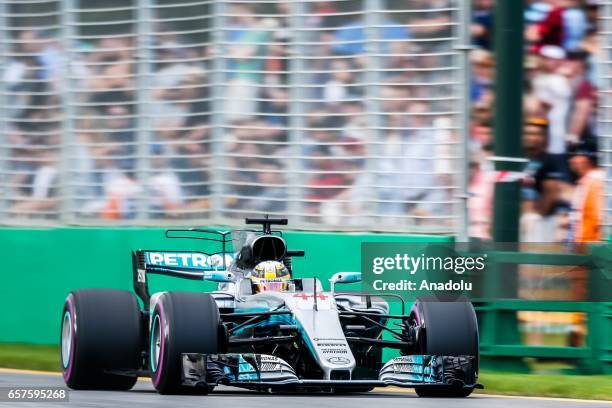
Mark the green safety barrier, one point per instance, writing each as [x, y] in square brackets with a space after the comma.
[499, 338]
[40, 266]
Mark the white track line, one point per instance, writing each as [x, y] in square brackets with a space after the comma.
[29, 372]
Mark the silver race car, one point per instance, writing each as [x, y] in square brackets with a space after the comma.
[262, 329]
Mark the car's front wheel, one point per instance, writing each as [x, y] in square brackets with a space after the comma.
[182, 322]
[446, 328]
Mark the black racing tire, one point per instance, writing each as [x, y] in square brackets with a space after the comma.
[101, 331]
[447, 328]
[181, 322]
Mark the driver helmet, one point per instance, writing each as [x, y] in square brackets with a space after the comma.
[270, 275]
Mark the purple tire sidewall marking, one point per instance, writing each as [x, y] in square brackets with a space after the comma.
[67, 372]
[162, 328]
[415, 309]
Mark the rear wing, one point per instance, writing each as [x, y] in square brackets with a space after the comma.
[179, 264]
[204, 266]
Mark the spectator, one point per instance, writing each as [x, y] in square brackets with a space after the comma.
[324, 14]
[276, 107]
[582, 118]
[339, 88]
[418, 153]
[170, 70]
[351, 37]
[548, 30]
[481, 188]
[116, 109]
[38, 192]
[482, 23]
[248, 38]
[111, 65]
[575, 25]
[164, 187]
[587, 199]
[272, 194]
[544, 185]
[552, 86]
[545, 181]
[191, 164]
[561, 23]
[483, 66]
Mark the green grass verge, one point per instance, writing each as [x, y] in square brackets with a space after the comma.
[30, 357]
[46, 358]
[548, 385]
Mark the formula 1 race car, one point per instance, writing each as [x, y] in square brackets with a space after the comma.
[261, 329]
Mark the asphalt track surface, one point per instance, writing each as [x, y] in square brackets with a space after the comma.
[143, 395]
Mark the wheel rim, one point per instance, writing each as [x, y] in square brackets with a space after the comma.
[156, 340]
[66, 338]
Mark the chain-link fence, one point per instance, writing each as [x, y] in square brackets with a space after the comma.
[339, 114]
[605, 105]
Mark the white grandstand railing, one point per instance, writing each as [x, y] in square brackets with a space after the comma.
[200, 112]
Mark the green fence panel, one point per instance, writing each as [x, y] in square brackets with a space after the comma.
[499, 340]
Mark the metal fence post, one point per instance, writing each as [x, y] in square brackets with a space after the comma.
[374, 79]
[143, 97]
[217, 103]
[4, 151]
[67, 215]
[508, 128]
[463, 47]
[296, 132]
[599, 317]
[508, 117]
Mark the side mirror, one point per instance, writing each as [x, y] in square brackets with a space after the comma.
[344, 277]
[219, 276]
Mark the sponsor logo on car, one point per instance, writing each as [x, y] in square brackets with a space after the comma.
[189, 260]
[337, 360]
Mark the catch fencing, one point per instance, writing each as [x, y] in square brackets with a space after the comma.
[346, 114]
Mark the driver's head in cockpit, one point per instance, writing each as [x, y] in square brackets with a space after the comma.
[270, 276]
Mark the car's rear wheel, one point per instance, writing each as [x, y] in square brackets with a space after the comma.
[446, 328]
[100, 339]
[182, 322]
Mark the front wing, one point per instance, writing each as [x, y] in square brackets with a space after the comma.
[262, 371]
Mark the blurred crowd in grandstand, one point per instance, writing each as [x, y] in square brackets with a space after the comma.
[331, 181]
[563, 189]
[334, 178]
[403, 174]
